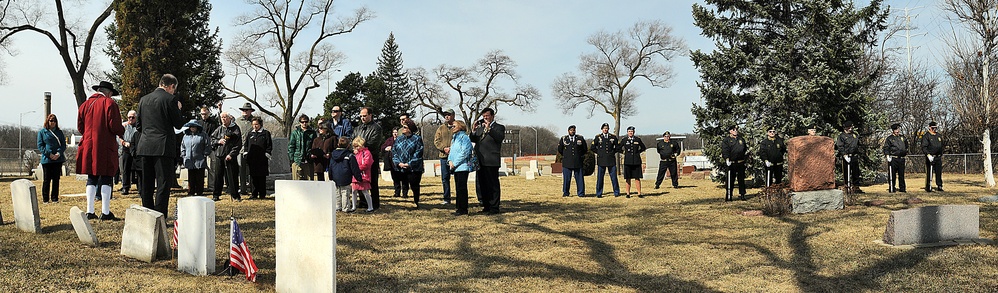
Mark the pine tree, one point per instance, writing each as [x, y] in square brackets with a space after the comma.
[176, 39]
[786, 64]
[348, 95]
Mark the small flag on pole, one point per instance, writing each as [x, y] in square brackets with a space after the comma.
[239, 254]
[174, 243]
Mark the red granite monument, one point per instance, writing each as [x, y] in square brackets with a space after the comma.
[811, 163]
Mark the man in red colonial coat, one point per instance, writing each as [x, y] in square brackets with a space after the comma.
[99, 120]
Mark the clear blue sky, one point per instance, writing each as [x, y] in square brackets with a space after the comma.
[545, 38]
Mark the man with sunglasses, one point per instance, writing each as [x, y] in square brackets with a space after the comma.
[338, 124]
[932, 147]
[299, 144]
[771, 151]
[125, 152]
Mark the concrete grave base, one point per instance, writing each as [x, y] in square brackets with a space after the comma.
[25, 202]
[933, 224]
[958, 242]
[83, 229]
[145, 237]
[802, 202]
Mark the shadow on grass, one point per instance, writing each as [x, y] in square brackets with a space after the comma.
[56, 228]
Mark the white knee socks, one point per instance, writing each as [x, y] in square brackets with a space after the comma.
[105, 195]
[91, 194]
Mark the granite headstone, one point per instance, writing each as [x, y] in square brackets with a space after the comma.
[811, 163]
[933, 224]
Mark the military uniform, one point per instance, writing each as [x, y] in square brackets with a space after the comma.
[932, 145]
[605, 147]
[896, 148]
[668, 151]
[632, 147]
[572, 148]
[848, 146]
[772, 150]
[733, 150]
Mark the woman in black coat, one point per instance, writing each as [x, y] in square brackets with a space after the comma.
[257, 148]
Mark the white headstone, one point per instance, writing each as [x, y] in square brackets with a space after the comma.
[546, 171]
[527, 173]
[305, 224]
[503, 169]
[533, 167]
[471, 177]
[83, 229]
[386, 175]
[429, 169]
[196, 235]
[25, 202]
[652, 158]
[144, 236]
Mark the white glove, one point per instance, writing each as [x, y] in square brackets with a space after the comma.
[769, 164]
[268, 157]
[728, 162]
[888, 159]
[931, 158]
[846, 157]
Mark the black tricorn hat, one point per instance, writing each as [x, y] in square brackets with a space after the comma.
[107, 85]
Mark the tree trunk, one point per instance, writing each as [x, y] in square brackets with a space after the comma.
[989, 176]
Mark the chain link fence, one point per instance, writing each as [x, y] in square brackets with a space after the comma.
[970, 163]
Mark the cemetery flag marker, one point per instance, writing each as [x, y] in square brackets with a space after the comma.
[239, 254]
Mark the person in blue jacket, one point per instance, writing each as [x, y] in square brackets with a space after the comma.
[52, 146]
[194, 150]
[460, 160]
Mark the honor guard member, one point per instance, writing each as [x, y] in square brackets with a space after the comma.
[605, 147]
[771, 151]
[733, 150]
[632, 146]
[668, 150]
[932, 147]
[848, 146]
[572, 147]
[896, 148]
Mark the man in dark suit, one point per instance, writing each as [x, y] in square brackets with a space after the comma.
[572, 147]
[488, 136]
[159, 116]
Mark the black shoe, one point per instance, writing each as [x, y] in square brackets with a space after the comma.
[628, 195]
[599, 196]
[91, 216]
[109, 217]
[903, 191]
[928, 190]
[940, 188]
[742, 197]
[215, 198]
[675, 186]
[459, 213]
[656, 186]
[124, 192]
[564, 195]
[640, 196]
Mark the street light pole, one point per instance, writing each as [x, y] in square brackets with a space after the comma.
[535, 139]
[20, 150]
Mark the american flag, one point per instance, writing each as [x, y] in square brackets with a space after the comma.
[239, 254]
[173, 243]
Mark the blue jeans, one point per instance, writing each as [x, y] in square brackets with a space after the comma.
[613, 180]
[568, 174]
[445, 177]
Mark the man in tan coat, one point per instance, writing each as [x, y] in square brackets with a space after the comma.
[442, 141]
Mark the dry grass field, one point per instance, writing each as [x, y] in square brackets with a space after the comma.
[685, 240]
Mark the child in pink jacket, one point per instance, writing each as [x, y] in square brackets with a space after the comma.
[364, 161]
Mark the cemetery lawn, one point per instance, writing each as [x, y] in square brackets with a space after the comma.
[685, 240]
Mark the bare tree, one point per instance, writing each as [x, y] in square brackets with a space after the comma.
[281, 74]
[605, 76]
[477, 87]
[969, 70]
[65, 34]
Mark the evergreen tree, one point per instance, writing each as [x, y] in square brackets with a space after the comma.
[396, 82]
[786, 64]
[152, 38]
[348, 95]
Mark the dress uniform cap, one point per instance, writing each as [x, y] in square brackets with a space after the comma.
[932, 124]
[605, 125]
[629, 128]
[570, 127]
[666, 133]
[895, 126]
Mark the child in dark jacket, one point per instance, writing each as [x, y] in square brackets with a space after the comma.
[342, 170]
